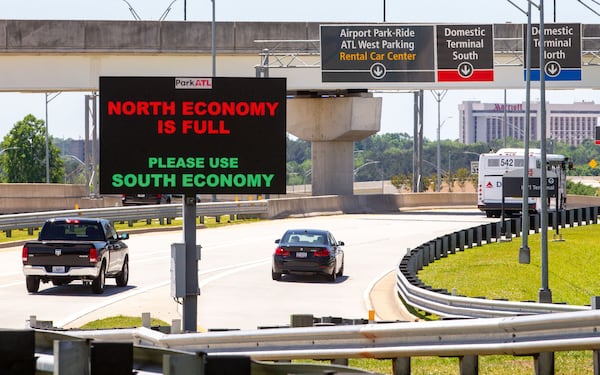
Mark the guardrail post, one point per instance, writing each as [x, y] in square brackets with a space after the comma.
[469, 365]
[497, 230]
[595, 304]
[544, 363]
[571, 218]
[595, 215]
[401, 366]
[536, 223]
[445, 245]
[109, 358]
[425, 251]
[146, 320]
[579, 214]
[488, 233]
[517, 227]
[453, 243]
[586, 215]
[17, 352]
[301, 320]
[438, 248]
[175, 364]
[461, 240]
[8, 233]
[479, 235]
[238, 365]
[508, 230]
[470, 238]
[71, 357]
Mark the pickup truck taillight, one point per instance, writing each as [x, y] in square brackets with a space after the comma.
[25, 254]
[93, 255]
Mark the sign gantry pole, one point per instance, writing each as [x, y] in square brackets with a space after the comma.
[545, 294]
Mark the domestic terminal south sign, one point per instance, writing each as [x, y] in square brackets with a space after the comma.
[190, 135]
[465, 53]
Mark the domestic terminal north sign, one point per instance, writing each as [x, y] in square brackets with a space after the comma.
[377, 53]
[190, 135]
[562, 52]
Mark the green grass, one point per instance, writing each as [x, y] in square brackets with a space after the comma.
[494, 271]
[121, 321]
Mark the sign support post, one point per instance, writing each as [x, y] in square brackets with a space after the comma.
[192, 290]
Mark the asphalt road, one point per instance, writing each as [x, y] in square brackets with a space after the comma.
[234, 274]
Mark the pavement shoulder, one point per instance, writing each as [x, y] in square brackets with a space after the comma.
[385, 301]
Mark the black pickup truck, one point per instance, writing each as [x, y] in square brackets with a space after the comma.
[77, 248]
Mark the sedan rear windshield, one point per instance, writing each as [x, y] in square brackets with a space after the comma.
[305, 238]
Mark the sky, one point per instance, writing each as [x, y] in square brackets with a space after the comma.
[66, 113]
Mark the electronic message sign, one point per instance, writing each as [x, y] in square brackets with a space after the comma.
[189, 135]
[377, 53]
[562, 51]
[465, 53]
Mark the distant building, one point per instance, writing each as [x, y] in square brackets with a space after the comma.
[568, 123]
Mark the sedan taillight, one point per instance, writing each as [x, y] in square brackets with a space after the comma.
[25, 254]
[324, 252]
[93, 255]
[282, 252]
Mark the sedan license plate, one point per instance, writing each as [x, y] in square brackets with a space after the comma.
[301, 254]
[58, 269]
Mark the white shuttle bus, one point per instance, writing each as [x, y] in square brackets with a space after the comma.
[494, 165]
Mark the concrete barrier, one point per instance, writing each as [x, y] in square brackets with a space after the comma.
[355, 204]
[39, 197]
[21, 198]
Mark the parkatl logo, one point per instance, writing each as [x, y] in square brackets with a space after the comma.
[193, 83]
[489, 184]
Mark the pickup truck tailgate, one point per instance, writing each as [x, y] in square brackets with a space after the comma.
[58, 253]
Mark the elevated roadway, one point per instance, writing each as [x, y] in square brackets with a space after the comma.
[47, 55]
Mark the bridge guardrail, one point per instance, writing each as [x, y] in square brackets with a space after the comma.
[464, 338]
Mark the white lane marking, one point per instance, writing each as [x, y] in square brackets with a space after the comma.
[225, 271]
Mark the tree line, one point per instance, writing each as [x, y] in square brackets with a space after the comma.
[391, 156]
[386, 156]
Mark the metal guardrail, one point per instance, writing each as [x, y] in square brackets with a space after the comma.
[135, 213]
[440, 302]
[522, 335]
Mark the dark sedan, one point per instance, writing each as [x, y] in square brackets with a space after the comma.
[308, 251]
[140, 199]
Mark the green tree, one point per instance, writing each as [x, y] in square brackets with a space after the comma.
[25, 157]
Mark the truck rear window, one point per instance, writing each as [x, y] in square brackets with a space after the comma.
[75, 231]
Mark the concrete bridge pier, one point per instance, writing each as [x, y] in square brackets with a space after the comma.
[332, 124]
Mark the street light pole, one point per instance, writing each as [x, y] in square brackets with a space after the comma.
[439, 96]
[545, 294]
[49, 98]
